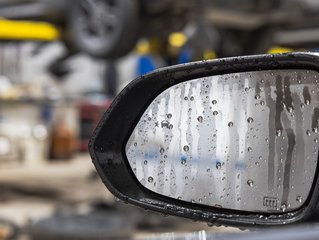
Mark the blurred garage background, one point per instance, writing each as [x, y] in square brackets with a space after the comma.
[62, 63]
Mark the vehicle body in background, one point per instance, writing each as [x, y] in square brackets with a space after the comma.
[102, 28]
[253, 27]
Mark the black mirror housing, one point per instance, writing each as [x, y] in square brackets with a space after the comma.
[107, 145]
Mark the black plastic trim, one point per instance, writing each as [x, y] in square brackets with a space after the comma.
[107, 145]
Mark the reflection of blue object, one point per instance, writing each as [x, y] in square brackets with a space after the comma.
[183, 158]
[240, 165]
[151, 155]
[145, 64]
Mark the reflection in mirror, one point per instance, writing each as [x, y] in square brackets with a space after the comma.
[243, 141]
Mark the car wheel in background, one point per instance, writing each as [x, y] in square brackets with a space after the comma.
[104, 28]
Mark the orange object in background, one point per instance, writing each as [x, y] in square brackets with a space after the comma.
[63, 141]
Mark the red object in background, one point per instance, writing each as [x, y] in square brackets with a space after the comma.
[91, 111]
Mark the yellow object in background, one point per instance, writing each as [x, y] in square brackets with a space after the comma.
[27, 30]
[177, 39]
[277, 50]
[209, 55]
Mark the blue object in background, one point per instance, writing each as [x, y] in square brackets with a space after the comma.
[145, 64]
[185, 56]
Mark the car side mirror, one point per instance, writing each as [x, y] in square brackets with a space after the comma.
[231, 141]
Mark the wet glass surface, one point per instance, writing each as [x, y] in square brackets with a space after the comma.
[244, 141]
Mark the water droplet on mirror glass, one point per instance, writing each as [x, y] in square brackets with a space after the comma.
[218, 165]
[145, 162]
[135, 144]
[183, 161]
[170, 126]
[299, 199]
[250, 120]
[185, 98]
[186, 148]
[315, 130]
[230, 124]
[290, 109]
[316, 140]
[307, 102]
[249, 149]
[150, 179]
[257, 97]
[278, 132]
[215, 113]
[250, 182]
[169, 115]
[283, 207]
[214, 102]
[192, 98]
[308, 132]
[200, 119]
[262, 103]
[162, 150]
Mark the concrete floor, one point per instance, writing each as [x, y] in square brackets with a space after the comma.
[31, 193]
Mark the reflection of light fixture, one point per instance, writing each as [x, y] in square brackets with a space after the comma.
[177, 39]
[5, 146]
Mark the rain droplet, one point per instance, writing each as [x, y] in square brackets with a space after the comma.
[145, 162]
[250, 120]
[249, 149]
[200, 119]
[169, 115]
[307, 102]
[316, 140]
[250, 182]
[230, 124]
[186, 148]
[162, 150]
[302, 105]
[150, 179]
[257, 163]
[283, 207]
[257, 97]
[215, 113]
[192, 98]
[183, 161]
[315, 129]
[214, 102]
[238, 199]
[179, 198]
[135, 144]
[246, 89]
[299, 199]
[262, 103]
[185, 98]
[218, 165]
[262, 81]
[149, 118]
[290, 109]
[170, 126]
[278, 132]
[308, 132]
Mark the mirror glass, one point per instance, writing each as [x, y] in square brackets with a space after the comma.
[244, 141]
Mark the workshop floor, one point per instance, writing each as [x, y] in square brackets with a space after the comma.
[31, 193]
